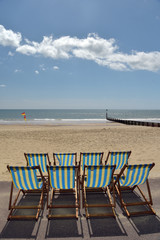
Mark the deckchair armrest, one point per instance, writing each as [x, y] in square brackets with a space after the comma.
[120, 174]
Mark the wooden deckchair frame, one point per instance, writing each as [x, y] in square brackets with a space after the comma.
[112, 203]
[55, 158]
[75, 191]
[13, 206]
[145, 201]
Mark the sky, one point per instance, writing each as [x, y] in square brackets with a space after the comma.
[64, 54]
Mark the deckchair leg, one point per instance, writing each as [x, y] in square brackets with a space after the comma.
[10, 199]
[149, 192]
[85, 201]
[50, 203]
[123, 205]
[84, 198]
[82, 195]
[146, 202]
[11, 206]
[14, 204]
[79, 197]
[113, 204]
[118, 188]
[40, 204]
[76, 199]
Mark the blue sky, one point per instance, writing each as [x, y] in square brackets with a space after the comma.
[80, 54]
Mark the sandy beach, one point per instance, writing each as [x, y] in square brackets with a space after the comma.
[144, 142]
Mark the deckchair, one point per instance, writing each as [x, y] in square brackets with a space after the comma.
[25, 179]
[97, 178]
[63, 179]
[135, 175]
[38, 159]
[90, 158]
[65, 159]
[118, 158]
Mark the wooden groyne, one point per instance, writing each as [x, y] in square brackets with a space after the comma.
[132, 122]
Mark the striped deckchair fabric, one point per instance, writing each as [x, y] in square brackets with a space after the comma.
[98, 176]
[98, 179]
[118, 158]
[38, 159]
[62, 177]
[26, 181]
[25, 178]
[130, 178]
[93, 158]
[65, 159]
[135, 175]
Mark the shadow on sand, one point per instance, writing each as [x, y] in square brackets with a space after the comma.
[143, 224]
[24, 228]
[20, 229]
[146, 224]
[64, 228]
[103, 227]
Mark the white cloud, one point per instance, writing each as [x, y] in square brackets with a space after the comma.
[27, 50]
[9, 38]
[36, 72]
[102, 51]
[55, 67]
[42, 67]
[2, 85]
[10, 54]
[17, 70]
[66, 47]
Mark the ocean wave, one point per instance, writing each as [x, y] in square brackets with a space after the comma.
[144, 119]
[99, 120]
[43, 121]
[67, 119]
[53, 121]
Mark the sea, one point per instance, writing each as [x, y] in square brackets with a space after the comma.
[73, 116]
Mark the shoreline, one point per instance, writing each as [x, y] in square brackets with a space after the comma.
[55, 122]
[143, 141]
